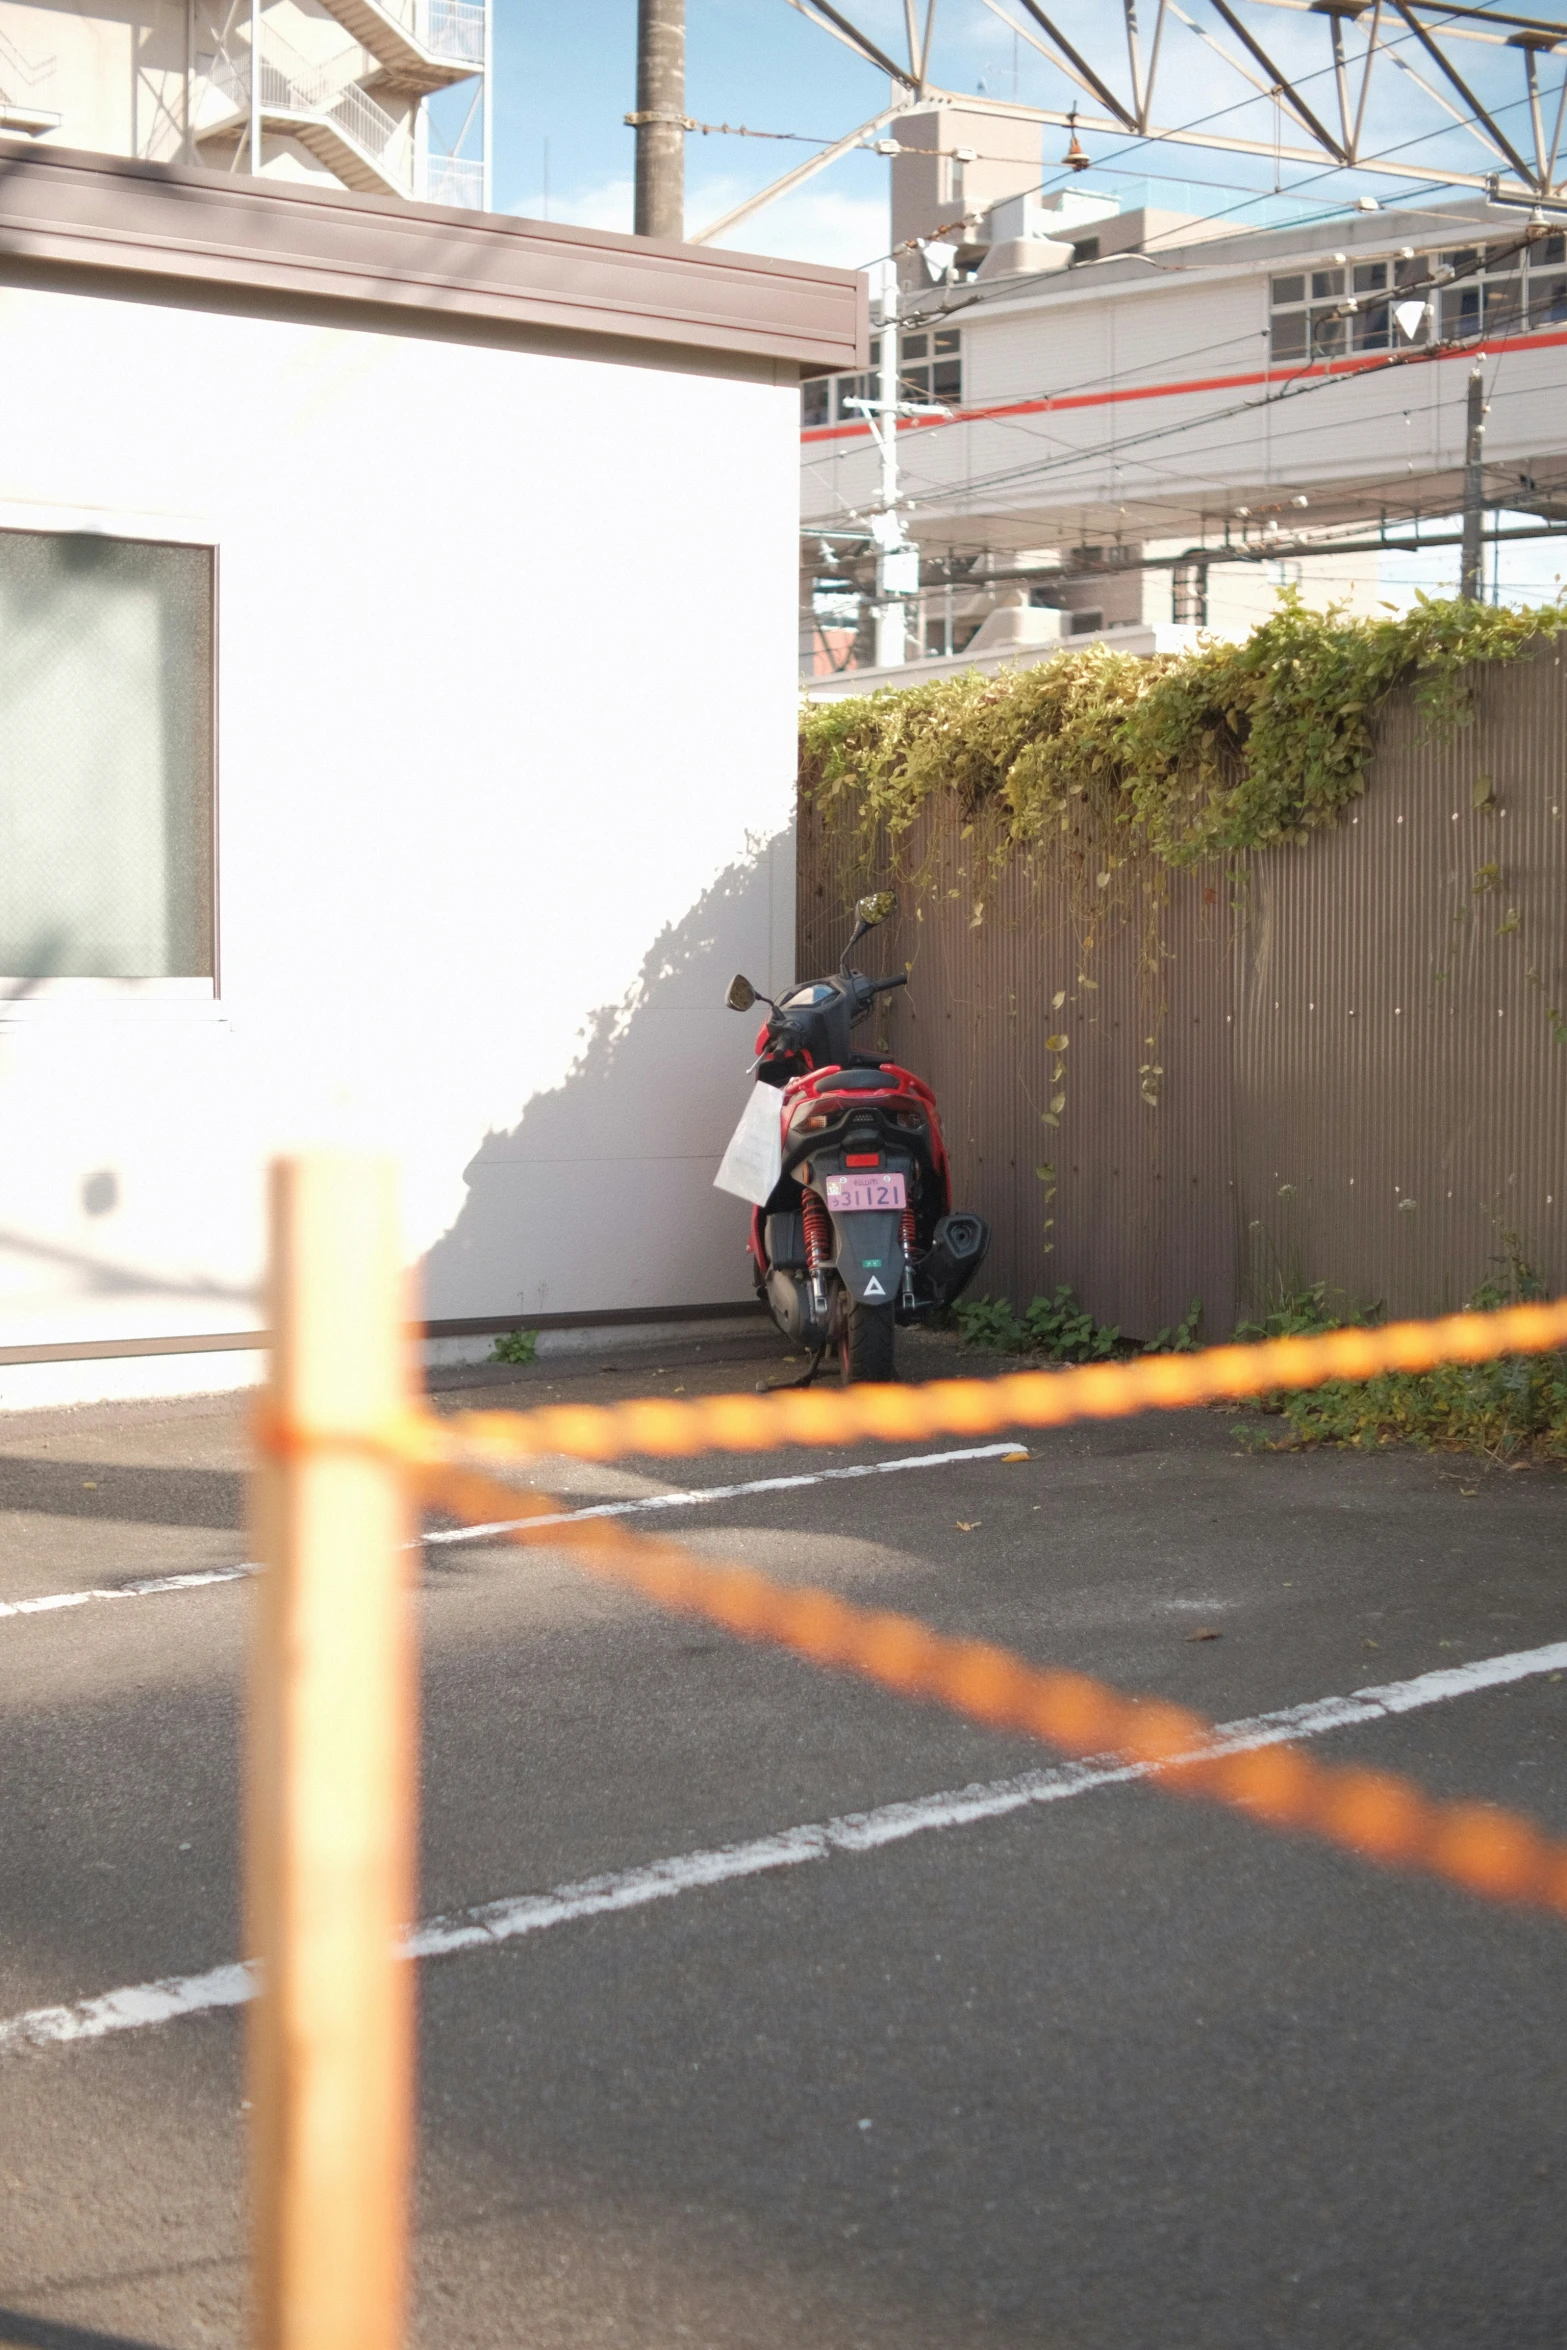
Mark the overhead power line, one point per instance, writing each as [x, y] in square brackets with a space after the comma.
[1425, 26]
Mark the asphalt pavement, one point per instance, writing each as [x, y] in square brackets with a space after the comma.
[1105, 2071]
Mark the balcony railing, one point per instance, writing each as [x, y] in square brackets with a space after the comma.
[454, 179]
[450, 28]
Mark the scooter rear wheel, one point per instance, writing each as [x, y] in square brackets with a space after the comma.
[865, 1344]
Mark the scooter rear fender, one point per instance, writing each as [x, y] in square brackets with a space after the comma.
[870, 1253]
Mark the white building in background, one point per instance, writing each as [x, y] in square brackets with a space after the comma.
[321, 815]
[334, 91]
[1135, 397]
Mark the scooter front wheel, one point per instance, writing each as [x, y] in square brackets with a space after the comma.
[865, 1344]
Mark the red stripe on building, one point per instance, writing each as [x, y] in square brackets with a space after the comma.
[1199, 383]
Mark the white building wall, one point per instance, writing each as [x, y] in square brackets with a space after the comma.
[168, 80]
[491, 836]
[114, 71]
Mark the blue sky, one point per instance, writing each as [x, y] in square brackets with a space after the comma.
[566, 76]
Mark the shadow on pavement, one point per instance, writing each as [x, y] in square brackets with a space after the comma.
[21, 2332]
[112, 1489]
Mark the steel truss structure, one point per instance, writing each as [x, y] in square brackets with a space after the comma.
[1430, 45]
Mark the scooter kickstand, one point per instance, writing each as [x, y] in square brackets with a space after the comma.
[781, 1386]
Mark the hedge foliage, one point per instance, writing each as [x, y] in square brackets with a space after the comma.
[1179, 757]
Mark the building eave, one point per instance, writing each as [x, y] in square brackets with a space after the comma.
[119, 225]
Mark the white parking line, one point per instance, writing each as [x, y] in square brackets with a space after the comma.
[490, 1923]
[145, 1589]
[684, 1500]
[689, 1498]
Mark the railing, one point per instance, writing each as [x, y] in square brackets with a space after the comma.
[454, 28]
[292, 85]
[332, 92]
[454, 179]
[447, 28]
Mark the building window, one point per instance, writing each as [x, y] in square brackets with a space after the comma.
[106, 782]
[1189, 595]
[1084, 623]
[1330, 313]
[1547, 299]
[1493, 290]
[930, 368]
[1501, 290]
[1371, 327]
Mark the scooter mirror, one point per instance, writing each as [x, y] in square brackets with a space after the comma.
[878, 907]
[741, 995]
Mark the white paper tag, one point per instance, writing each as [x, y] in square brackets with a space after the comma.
[751, 1165]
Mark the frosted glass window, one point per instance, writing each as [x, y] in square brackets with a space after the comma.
[105, 758]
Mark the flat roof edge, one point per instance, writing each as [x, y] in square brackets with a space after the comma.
[113, 216]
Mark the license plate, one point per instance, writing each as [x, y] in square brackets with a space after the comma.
[865, 1191]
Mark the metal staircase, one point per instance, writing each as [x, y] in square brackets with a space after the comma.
[418, 45]
[325, 107]
[257, 83]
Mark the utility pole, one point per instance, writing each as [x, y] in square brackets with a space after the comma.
[659, 120]
[897, 562]
[1471, 582]
[892, 557]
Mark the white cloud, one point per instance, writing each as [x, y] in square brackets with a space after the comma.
[817, 223]
[603, 204]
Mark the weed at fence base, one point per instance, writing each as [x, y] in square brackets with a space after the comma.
[1064, 1331]
[1514, 1405]
[516, 1346]
[1057, 1327]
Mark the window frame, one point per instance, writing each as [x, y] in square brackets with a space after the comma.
[941, 350]
[1368, 328]
[183, 998]
[1502, 290]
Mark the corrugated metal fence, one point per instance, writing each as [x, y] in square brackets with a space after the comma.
[1359, 1045]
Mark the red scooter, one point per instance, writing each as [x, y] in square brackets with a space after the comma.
[852, 1230]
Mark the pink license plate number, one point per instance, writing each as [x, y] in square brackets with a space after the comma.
[865, 1191]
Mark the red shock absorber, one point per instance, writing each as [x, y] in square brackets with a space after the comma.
[908, 1236]
[818, 1233]
[818, 1249]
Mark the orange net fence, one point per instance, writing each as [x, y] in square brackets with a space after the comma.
[1381, 1817]
[331, 1777]
[978, 1407]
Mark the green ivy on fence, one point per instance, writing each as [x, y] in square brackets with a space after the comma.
[1112, 762]
[1177, 757]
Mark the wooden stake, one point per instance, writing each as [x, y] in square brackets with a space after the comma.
[331, 1779]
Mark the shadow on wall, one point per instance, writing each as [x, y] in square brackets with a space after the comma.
[601, 1196]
